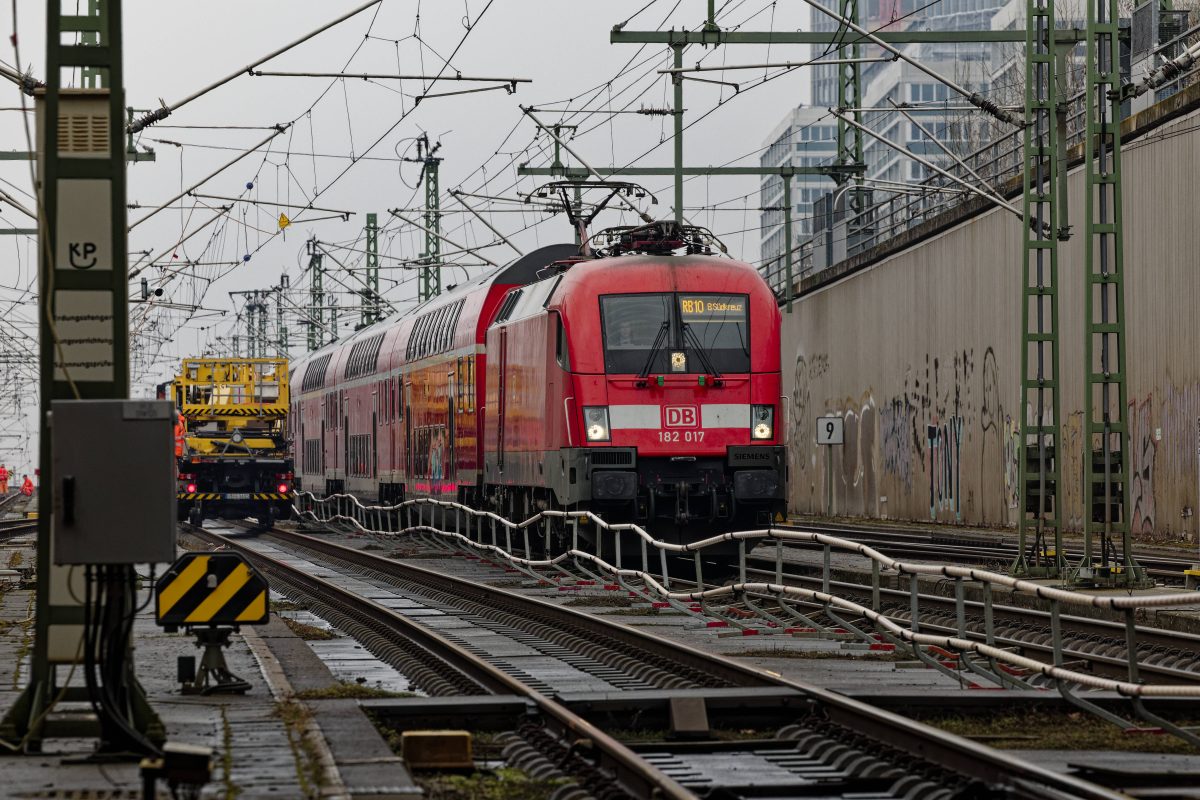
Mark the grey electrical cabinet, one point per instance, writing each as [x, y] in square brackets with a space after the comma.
[112, 481]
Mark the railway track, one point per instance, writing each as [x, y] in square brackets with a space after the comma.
[964, 548]
[455, 637]
[1164, 656]
[11, 529]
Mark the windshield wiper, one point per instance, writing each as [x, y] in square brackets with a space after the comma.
[654, 348]
[690, 335]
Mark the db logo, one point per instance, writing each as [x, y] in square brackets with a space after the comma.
[681, 416]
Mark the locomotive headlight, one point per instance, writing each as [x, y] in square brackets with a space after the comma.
[762, 422]
[595, 423]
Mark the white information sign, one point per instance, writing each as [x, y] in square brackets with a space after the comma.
[83, 240]
[83, 321]
[830, 430]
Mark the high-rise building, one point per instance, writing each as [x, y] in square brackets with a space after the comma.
[807, 137]
[931, 103]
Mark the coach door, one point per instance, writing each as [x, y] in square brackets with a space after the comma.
[450, 466]
[408, 431]
[501, 397]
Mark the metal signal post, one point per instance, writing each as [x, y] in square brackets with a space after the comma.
[430, 281]
[84, 354]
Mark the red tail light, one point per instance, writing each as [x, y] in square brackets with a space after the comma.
[284, 476]
[283, 488]
[186, 476]
[191, 487]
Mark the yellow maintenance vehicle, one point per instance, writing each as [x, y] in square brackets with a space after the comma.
[231, 439]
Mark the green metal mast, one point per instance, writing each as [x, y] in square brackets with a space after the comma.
[431, 274]
[1106, 509]
[850, 138]
[370, 295]
[263, 339]
[281, 331]
[83, 317]
[1041, 553]
[677, 116]
[316, 298]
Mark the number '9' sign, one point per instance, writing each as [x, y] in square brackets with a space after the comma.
[830, 430]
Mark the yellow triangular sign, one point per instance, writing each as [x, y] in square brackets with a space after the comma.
[284, 221]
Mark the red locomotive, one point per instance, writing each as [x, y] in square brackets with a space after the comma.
[642, 385]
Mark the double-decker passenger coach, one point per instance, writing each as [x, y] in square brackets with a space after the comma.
[642, 383]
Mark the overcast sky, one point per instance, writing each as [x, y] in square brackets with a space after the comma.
[173, 48]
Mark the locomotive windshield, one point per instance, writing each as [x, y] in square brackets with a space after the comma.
[647, 332]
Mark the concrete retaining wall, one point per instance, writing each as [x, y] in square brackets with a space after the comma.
[919, 352]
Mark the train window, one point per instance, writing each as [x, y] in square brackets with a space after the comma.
[643, 331]
[440, 340]
[561, 351]
[469, 366]
[458, 383]
[507, 305]
[715, 328]
[637, 330]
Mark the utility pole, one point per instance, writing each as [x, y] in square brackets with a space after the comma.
[281, 331]
[370, 311]
[84, 354]
[1106, 508]
[850, 137]
[316, 297]
[1040, 554]
[430, 280]
[251, 344]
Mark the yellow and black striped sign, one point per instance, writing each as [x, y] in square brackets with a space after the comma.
[211, 589]
[243, 496]
[235, 411]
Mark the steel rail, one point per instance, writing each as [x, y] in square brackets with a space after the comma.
[950, 752]
[635, 775]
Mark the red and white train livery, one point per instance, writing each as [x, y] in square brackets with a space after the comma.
[644, 387]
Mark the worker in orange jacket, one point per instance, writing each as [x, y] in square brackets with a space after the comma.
[27, 486]
[3, 479]
[180, 435]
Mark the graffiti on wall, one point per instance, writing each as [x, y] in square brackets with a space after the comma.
[945, 476]
[1012, 464]
[946, 414]
[802, 449]
[1141, 468]
[999, 434]
[896, 445]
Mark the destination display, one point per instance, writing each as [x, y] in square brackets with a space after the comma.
[713, 308]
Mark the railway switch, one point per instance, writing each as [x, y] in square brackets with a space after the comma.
[114, 481]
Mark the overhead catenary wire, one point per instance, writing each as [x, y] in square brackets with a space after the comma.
[991, 198]
[385, 76]
[974, 98]
[278, 130]
[458, 196]
[473, 251]
[165, 110]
